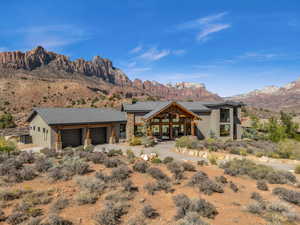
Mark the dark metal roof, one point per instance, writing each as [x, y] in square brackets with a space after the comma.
[165, 105]
[192, 106]
[59, 116]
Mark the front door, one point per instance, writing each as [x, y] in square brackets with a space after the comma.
[165, 132]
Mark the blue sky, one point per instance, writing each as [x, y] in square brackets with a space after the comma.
[230, 46]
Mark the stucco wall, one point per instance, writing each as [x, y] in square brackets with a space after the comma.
[40, 132]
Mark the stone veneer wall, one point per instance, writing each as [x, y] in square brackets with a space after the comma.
[130, 126]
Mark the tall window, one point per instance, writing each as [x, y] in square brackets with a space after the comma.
[224, 130]
[224, 115]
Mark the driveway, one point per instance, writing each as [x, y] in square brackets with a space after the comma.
[164, 149]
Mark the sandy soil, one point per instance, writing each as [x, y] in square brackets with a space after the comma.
[230, 205]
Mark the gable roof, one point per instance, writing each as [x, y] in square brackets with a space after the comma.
[192, 106]
[164, 106]
[63, 116]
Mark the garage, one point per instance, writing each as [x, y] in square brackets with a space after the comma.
[71, 137]
[98, 135]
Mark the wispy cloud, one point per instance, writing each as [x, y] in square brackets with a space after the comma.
[205, 25]
[52, 37]
[258, 55]
[3, 49]
[178, 77]
[154, 54]
[137, 49]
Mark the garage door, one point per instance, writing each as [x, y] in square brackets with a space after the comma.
[98, 135]
[71, 137]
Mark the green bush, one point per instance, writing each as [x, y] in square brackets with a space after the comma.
[186, 142]
[6, 121]
[135, 141]
[168, 159]
[297, 169]
[156, 160]
[148, 141]
[7, 146]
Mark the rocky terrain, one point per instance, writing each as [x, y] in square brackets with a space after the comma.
[274, 98]
[43, 78]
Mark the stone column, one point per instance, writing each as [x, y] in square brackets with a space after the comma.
[130, 126]
[58, 143]
[88, 139]
[112, 138]
[193, 128]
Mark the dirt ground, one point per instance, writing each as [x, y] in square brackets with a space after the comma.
[229, 204]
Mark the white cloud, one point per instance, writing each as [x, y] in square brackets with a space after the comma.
[209, 29]
[53, 36]
[153, 54]
[257, 55]
[206, 25]
[178, 77]
[137, 49]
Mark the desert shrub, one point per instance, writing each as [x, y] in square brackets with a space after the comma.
[148, 141]
[168, 159]
[140, 220]
[119, 196]
[188, 166]
[26, 157]
[151, 188]
[297, 169]
[278, 206]
[287, 195]
[49, 153]
[91, 184]
[176, 169]
[255, 208]
[202, 162]
[27, 173]
[191, 218]
[149, 212]
[75, 166]
[164, 185]
[156, 160]
[97, 157]
[200, 206]
[135, 141]
[156, 173]
[256, 196]
[59, 205]
[103, 177]
[246, 167]
[16, 218]
[112, 162]
[34, 221]
[141, 166]
[89, 148]
[186, 142]
[2, 216]
[129, 187]
[233, 186]
[221, 179]
[130, 154]
[85, 197]
[11, 194]
[198, 178]
[111, 214]
[204, 208]
[262, 185]
[120, 173]
[38, 198]
[57, 220]
[42, 164]
[9, 165]
[7, 146]
[208, 187]
[56, 173]
[212, 159]
[114, 152]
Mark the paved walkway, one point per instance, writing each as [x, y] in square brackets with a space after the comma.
[165, 149]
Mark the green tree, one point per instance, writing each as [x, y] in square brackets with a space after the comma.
[288, 124]
[6, 121]
[276, 131]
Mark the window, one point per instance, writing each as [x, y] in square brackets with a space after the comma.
[224, 115]
[122, 130]
[34, 128]
[224, 130]
[139, 130]
[39, 129]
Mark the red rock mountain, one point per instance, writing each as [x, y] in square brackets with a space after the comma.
[274, 98]
[43, 78]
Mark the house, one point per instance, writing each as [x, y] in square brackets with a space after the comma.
[62, 127]
[170, 119]
[20, 135]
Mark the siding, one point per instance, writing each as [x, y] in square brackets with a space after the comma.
[40, 138]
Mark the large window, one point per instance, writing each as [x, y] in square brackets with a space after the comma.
[224, 130]
[139, 131]
[224, 115]
[122, 130]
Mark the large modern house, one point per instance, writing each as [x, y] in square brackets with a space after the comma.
[62, 127]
